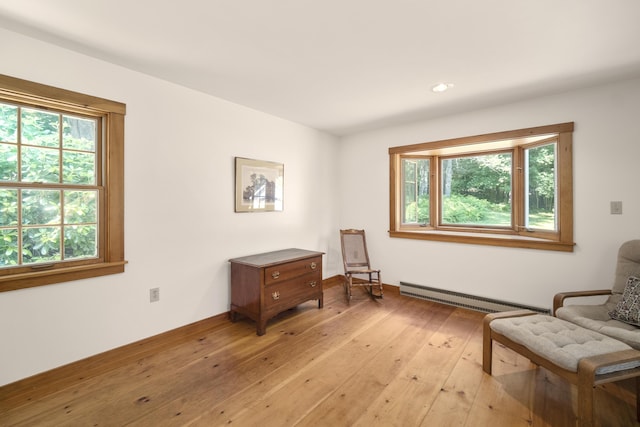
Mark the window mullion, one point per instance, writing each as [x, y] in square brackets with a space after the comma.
[564, 175]
[518, 196]
[435, 189]
[61, 182]
[19, 187]
[62, 231]
[19, 225]
[433, 192]
[19, 142]
[60, 156]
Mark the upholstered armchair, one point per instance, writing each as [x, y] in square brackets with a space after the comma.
[623, 301]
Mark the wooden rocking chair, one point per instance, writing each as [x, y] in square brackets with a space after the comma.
[357, 269]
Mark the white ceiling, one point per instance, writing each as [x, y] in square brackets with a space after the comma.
[344, 66]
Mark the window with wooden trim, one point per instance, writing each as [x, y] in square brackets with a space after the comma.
[61, 185]
[511, 188]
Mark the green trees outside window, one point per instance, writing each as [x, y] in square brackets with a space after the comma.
[541, 184]
[416, 190]
[477, 190]
[48, 186]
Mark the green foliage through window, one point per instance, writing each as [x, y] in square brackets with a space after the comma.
[540, 164]
[48, 186]
[476, 190]
[416, 190]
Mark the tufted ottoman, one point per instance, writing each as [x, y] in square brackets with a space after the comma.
[581, 356]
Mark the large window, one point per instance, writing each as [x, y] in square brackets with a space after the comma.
[61, 185]
[510, 189]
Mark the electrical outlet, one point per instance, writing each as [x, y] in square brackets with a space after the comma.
[616, 208]
[154, 294]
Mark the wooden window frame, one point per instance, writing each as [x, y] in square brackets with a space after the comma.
[111, 115]
[515, 236]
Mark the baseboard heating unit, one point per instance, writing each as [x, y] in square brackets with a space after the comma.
[458, 299]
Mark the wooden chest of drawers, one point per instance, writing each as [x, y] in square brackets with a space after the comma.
[264, 285]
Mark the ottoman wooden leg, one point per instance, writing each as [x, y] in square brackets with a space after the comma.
[585, 401]
[638, 398]
[487, 346]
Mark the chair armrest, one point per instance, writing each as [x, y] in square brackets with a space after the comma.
[558, 299]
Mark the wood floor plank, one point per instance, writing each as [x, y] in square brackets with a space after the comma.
[352, 396]
[315, 344]
[192, 368]
[455, 399]
[147, 380]
[30, 389]
[409, 395]
[398, 361]
[165, 374]
[318, 376]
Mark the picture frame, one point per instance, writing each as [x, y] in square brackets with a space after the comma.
[259, 185]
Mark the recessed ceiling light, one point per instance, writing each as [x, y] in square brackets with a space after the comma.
[441, 87]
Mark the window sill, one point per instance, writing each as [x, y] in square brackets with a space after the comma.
[13, 282]
[505, 240]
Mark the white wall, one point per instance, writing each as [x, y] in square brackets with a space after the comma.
[181, 229]
[606, 163]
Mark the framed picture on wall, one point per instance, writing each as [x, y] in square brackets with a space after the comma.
[259, 185]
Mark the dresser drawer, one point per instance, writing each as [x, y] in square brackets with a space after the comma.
[290, 270]
[291, 292]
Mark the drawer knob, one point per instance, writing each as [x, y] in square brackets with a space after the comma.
[313, 265]
[313, 284]
[275, 295]
[275, 274]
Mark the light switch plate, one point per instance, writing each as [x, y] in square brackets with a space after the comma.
[616, 208]
[154, 294]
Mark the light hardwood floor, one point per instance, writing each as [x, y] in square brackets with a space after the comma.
[393, 362]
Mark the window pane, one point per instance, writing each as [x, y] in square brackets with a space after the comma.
[8, 162]
[8, 123]
[540, 181]
[40, 244]
[476, 190]
[40, 165]
[80, 207]
[80, 241]
[40, 207]
[8, 247]
[78, 168]
[40, 128]
[78, 134]
[8, 207]
[410, 195]
[415, 191]
[32, 217]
